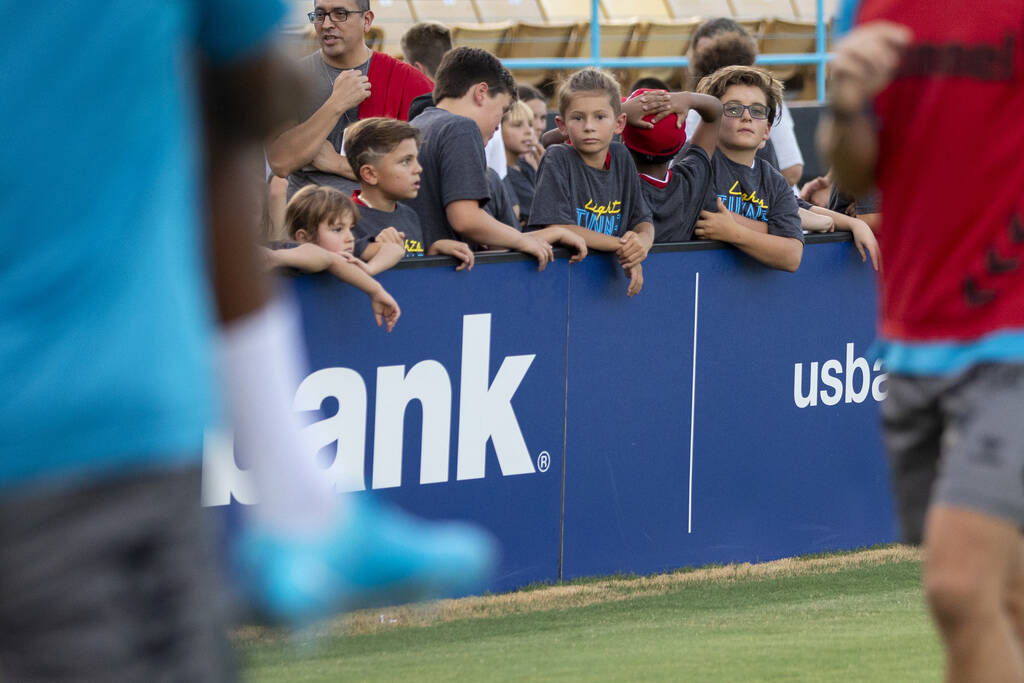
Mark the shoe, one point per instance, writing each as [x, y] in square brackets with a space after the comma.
[377, 555]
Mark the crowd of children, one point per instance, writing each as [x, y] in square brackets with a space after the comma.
[426, 187]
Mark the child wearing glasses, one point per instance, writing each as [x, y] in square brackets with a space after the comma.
[749, 204]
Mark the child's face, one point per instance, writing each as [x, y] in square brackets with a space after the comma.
[489, 112]
[517, 136]
[397, 173]
[743, 133]
[335, 235]
[591, 123]
[540, 117]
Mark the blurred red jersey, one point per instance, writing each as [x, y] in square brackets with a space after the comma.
[951, 170]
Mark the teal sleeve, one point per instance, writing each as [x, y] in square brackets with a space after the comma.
[230, 29]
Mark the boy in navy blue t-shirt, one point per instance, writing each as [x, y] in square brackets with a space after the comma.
[592, 187]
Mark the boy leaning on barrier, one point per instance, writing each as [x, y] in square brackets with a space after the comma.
[384, 156]
[591, 187]
[749, 204]
[654, 134]
[472, 91]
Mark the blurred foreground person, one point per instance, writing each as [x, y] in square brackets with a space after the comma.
[910, 79]
[108, 354]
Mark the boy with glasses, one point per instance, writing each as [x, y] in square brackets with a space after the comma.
[749, 204]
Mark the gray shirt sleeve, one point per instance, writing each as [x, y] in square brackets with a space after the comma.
[783, 214]
[552, 198]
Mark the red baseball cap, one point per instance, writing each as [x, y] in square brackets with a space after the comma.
[662, 140]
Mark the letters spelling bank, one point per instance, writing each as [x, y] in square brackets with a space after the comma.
[485, 413]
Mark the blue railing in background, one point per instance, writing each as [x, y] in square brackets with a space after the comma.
[819, 57]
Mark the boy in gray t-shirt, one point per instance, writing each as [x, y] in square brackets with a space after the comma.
[592, 187]
[383, 153]
[472, 90]
[749, 204]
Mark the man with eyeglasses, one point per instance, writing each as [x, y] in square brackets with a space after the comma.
[350, 82]
[926, 100]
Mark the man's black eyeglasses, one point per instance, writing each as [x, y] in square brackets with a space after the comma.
[735, 110]
[338, 15]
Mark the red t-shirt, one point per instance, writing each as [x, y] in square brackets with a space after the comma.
[951, 170]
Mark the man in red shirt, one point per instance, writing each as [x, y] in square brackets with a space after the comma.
[926, 102]
[350, 82]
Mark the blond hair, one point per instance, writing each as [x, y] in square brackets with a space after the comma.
[519, 112]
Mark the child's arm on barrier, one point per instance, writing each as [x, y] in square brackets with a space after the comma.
[561, 234]
[460, 251]
[636, 280]
[635, 244]
[815, 222]
[775, 251]
[863, 237]
[307, 257]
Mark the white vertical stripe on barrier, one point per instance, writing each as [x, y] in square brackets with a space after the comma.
[693, 398]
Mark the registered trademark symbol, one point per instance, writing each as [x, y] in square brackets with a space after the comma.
[544, 461]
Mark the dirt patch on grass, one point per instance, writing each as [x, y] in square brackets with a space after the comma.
[583, 593]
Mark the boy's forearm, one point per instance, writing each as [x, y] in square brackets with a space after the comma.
[595, 240]
[775, 251]
[709, 108]
[474, 224]
[645, 231]
[756, 226]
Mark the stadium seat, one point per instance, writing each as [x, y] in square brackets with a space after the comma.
[764, 9]
[538, 41]
[783, 36]
[665, 39]
[509, 10]
[448, 12]
[755, 27]
[621, 10]
[568, 10]
[394, 17]
[707, 9]
[806, 9]
[490, 36]
[616, 41]
[299, 41]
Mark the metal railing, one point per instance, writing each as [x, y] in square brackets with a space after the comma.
[819, 57]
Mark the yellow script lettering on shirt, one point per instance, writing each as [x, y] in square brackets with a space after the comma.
[737, 191]
[607, 209]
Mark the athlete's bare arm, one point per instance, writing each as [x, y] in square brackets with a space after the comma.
[865, 62]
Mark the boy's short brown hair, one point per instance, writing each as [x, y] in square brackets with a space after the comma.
[426, 43]
[717, 83]
[590, 80]
[314, 204]
[464, 67]
[368, 140]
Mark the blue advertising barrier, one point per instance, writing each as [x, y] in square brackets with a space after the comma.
[724, 414]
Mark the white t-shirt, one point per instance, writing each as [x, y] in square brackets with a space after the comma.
[495, 153]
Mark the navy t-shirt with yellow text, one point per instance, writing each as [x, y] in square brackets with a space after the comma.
[608, 200]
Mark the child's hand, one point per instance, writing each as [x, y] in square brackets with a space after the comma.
[390, 236]
[568, 238]
[656, 102]
[865, 241]
[538, 249]
[456, 249]
[636, 280]
[389, 253]
[811, 191]
[717, 225]
[385, 309]
[633, 250]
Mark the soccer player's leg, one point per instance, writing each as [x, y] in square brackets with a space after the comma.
[968, 559]
[972, 534]
[1015, 590]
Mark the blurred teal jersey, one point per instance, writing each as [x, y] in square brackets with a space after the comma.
[105, 316]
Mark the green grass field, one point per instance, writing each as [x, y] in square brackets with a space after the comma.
[851, 617]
